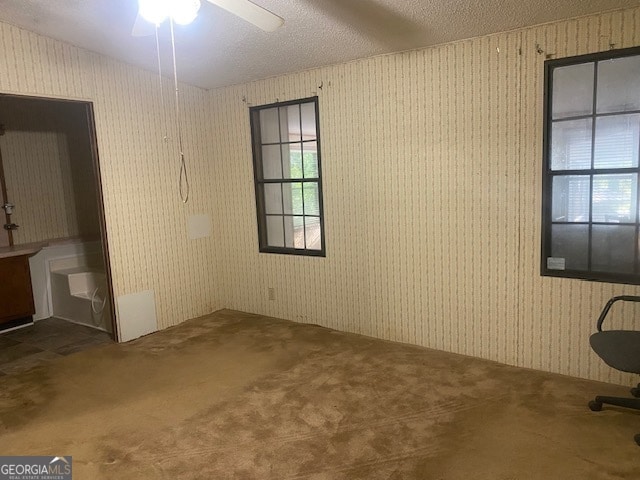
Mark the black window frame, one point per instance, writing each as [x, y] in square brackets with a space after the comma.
[259, 181]
[548, 174]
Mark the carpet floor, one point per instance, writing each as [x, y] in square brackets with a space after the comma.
[234, 395]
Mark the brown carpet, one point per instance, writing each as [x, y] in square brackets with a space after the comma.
[234, 395]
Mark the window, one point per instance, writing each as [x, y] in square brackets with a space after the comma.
[591, 225]
[288, 179]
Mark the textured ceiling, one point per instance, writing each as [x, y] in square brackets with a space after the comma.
[220, 49]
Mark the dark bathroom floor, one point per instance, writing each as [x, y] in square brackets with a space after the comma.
[44, 341]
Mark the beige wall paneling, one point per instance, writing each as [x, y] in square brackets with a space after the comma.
[559, 315]
[49, 170]
[432, 179]
[419, 165]
[146, 221]
[36, 169]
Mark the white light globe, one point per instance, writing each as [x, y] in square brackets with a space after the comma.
[154, 11]
[184, 12]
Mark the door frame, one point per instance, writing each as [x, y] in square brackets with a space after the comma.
[3, 195]
[95, 160]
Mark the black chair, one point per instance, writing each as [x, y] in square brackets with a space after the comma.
[619, 349]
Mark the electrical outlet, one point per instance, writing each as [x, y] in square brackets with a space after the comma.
[272, 293]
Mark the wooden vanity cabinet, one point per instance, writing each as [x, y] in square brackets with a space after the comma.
[16, 297]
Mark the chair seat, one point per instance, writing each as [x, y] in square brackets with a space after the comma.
[619, 349]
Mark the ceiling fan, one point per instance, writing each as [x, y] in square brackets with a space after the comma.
[153, 12]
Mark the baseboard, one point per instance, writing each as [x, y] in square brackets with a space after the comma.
[16, 324]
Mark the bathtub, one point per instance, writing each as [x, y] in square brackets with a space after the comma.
[69, 282]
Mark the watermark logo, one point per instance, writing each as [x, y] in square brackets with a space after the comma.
[35, 468]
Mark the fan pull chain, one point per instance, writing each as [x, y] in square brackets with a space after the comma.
[183, 180]
[164, 115]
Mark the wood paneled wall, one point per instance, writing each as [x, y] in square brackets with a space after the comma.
[48, 168]
[432, 181]
[147, 222]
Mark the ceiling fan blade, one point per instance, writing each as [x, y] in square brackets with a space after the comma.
[142, 28]
[252, 13]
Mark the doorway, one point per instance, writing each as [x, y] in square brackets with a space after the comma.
[5, 234]
[53, 209]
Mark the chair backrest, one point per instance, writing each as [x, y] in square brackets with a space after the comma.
[619, 349]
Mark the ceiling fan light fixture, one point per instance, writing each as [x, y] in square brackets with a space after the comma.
[154, 11]
[184, 12]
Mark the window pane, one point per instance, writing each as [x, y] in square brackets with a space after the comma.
[313, 233]
[571, 144]
[617, 139]
[613, 248]
[571, 242]
[286, 157]
[297, 240]
[308, 121]
[288, 231]
[310, 151]
[570, 200]
[269, 129]
[619, 85]
[572, 91]
[615, 198]
[311, 198]
[271, 162]
[291, 123]
[294, 160]
[273, 198]
[284, 151]
[293, 198]
[275, 231]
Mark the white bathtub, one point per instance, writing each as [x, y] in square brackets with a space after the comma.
[69, 282]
